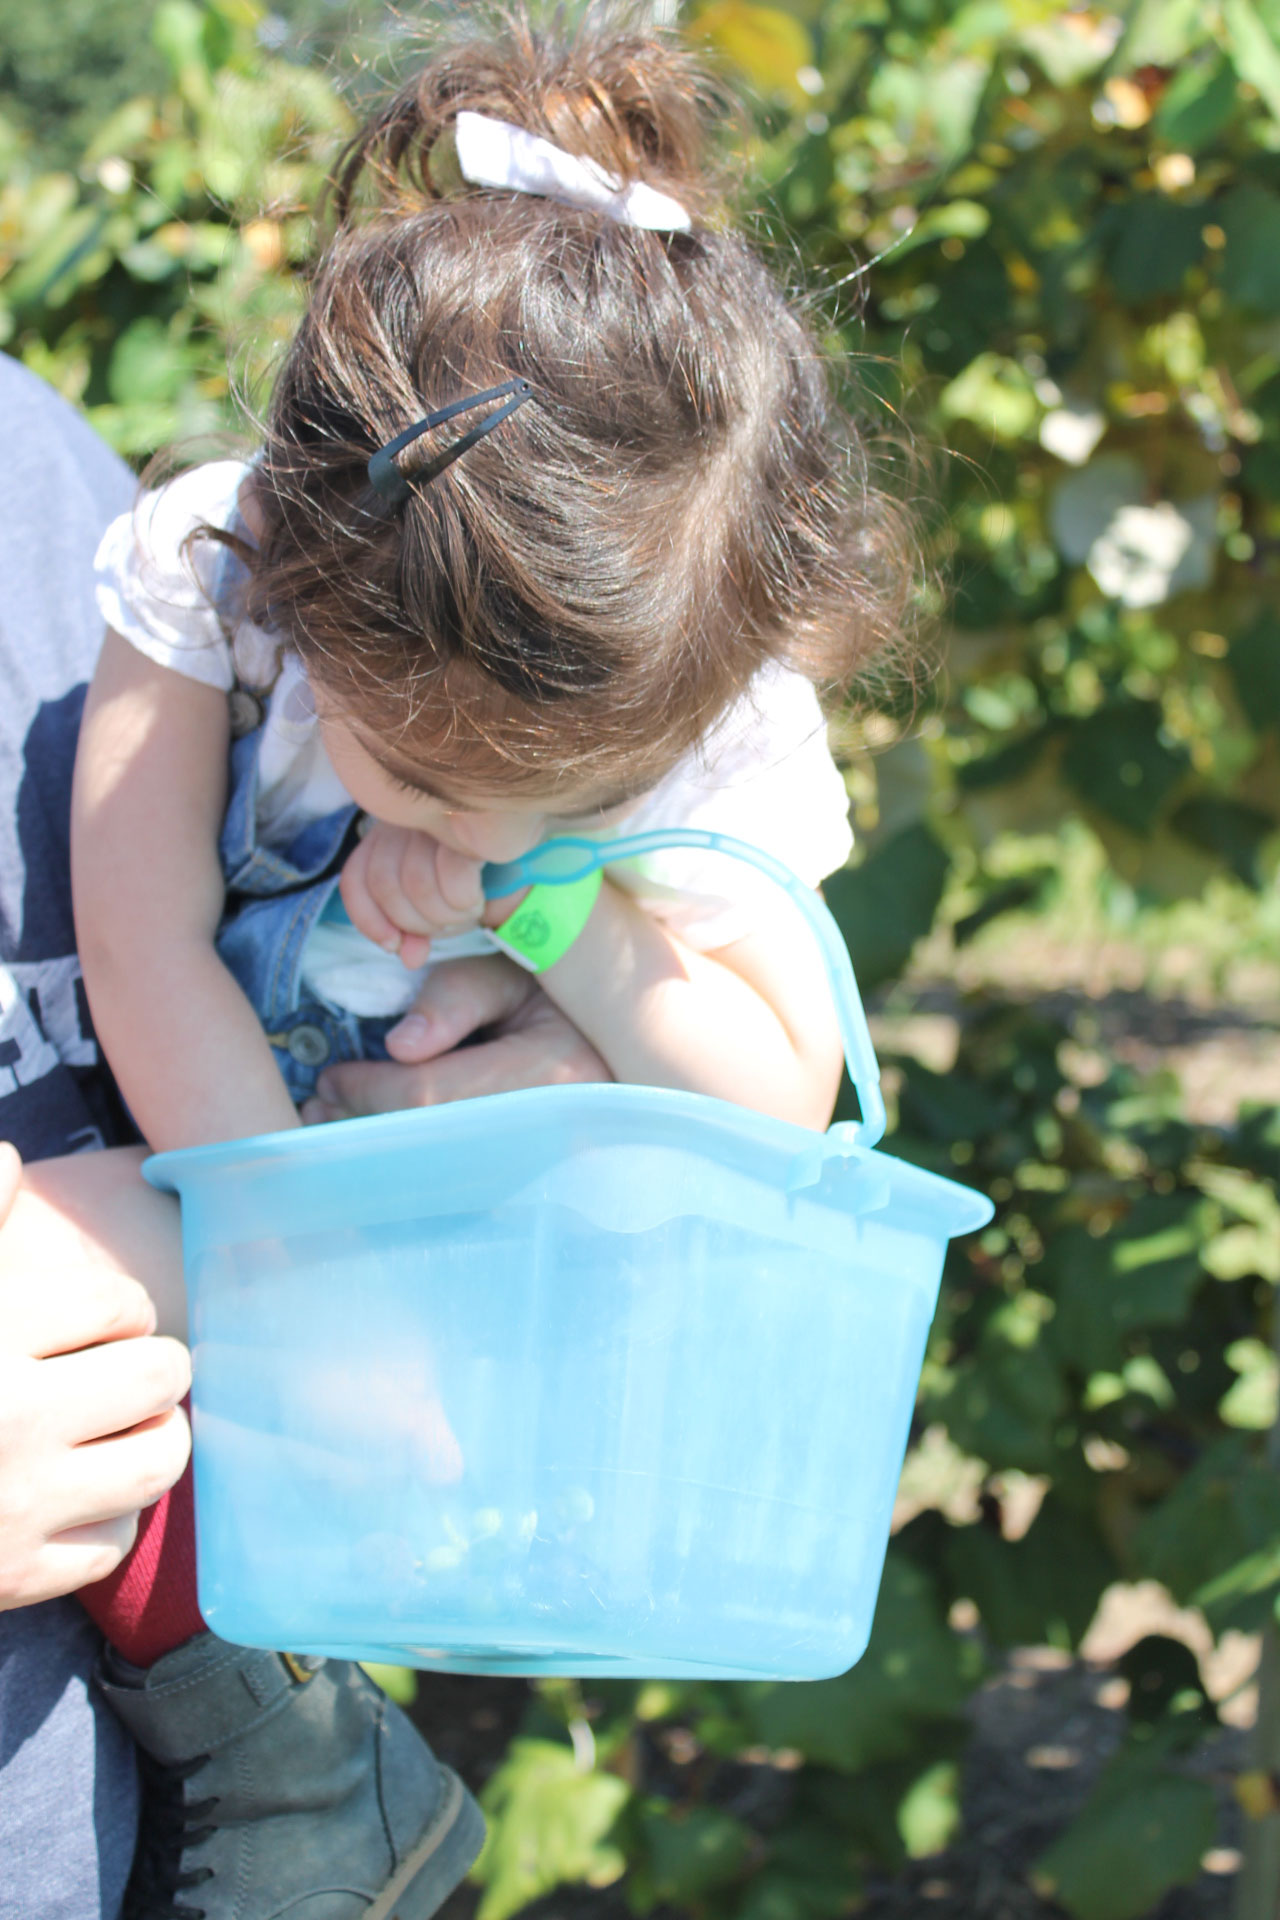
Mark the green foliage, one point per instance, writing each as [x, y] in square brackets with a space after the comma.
[65, 67]
[166, 270]
[548, 1819]
[1074, 223]
[914, 1672]
[1144, 1829]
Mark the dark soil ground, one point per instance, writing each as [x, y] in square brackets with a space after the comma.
[1043, 1729]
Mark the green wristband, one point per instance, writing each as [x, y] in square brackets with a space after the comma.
[548, 921]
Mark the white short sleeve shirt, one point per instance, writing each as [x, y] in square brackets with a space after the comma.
[763, 773]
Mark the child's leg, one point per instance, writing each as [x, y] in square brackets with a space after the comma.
[147, 1607]
[270, 1783]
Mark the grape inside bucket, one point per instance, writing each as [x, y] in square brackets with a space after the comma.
[574, 1380]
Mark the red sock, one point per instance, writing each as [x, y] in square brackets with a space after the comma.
[147, 1607]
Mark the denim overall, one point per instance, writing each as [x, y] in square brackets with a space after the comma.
[274, 899]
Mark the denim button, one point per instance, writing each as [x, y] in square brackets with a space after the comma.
[309, 1045]
[246, 712]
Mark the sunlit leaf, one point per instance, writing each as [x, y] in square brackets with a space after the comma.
[1253, 50]
[766, 44]
[548, 1822]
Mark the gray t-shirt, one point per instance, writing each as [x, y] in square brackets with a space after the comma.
[68, 1786]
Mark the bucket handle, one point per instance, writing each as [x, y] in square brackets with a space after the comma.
[571, 857]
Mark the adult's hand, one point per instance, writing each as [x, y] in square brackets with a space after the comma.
[527, 1042]
[90, 1426]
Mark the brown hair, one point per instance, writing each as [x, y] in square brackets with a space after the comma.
[680, 504]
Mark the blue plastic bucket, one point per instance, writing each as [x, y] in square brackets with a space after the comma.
[576, 1380]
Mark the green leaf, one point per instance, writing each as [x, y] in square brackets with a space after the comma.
[1006, 1402]
[1254, 660]
[148, 366]
[398, 1683]
[1012, 762]
[1250, 218]
[1118, 761]
[811, 1874]
[888, 903]
[1197, 104]
[1260, 470]
[548, 1822]
[1041, 1590]
[996, 394]
[691, 1852]
[1242, 1250]
[953, 220]
[915, 1669]
[1215, 1540]
[1143, 1830]
[1161, 33]
[178, 31]
[64, 260]
[1253, 51]
[1254, 1401]
[1233, 832]
[1142, 1274]
[1156, 241]
[929, 1813]
[948, 1107]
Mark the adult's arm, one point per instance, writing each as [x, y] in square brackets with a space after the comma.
[90, 1426]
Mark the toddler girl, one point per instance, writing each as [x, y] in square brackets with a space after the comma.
[555, 527]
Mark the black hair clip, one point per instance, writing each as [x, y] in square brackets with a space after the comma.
[386, 478]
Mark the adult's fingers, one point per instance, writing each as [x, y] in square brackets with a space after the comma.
[105, 1478]
[502, 1065]
[46, 1568]
[455, 1000]
[81, 1307]
[80, 1555]
[109, 1389]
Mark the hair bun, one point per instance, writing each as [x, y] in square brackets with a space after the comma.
[609, 88]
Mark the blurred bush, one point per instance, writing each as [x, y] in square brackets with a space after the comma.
[1051, 234]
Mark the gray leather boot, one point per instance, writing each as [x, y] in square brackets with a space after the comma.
[277, 1785]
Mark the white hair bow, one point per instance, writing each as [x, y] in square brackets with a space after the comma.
[493, 153]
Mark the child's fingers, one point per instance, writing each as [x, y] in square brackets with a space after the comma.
[443, 887]
[415, 950]
[359, 902]
[454, 1001]
[458, 880]
[396, 880]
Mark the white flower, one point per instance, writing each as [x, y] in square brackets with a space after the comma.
[1138, 552]
[1147, 553]
[1072, 432]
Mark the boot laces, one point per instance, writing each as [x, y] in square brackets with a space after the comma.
[170, 1824]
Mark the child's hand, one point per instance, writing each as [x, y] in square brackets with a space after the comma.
[403, 888]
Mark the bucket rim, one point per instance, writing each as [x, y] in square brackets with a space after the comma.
[321, 1146]
[335, 1138]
